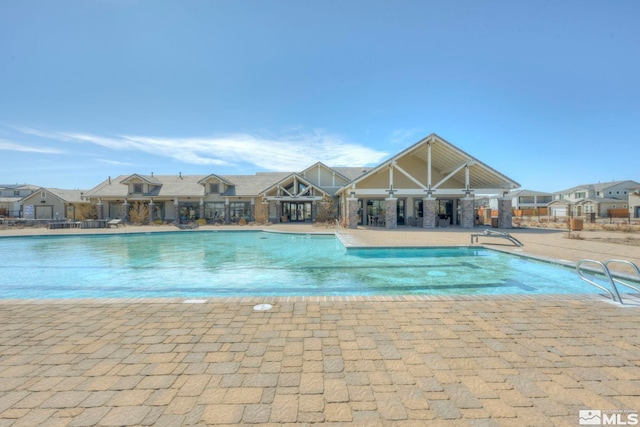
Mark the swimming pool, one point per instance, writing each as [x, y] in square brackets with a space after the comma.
[255, 263]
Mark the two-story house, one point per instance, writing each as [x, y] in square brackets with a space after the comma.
[11, 196]
[601, 199]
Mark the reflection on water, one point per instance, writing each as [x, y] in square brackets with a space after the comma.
[200, 264]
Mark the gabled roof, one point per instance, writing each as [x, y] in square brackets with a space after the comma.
[600, 186]
[446, 157]
[65, 196]
[339, 171]
[214, 177]
[286, 180]
[149, 179]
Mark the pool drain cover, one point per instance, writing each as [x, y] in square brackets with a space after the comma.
[262, 307]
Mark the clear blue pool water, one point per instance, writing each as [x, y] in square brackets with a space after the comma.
[214, 264]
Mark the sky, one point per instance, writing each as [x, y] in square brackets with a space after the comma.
[546, 92]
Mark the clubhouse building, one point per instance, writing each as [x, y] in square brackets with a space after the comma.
[430, 184]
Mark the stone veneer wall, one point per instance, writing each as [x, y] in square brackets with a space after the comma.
[429, 212]
[352, 205]
[467, 214]
[125, 212]
[505, 215]
[391, 212]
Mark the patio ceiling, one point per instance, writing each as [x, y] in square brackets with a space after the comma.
[447, 161]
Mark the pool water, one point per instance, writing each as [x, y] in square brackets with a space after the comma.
[215, 264]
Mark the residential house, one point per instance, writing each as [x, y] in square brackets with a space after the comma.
[53, 203]
[634, 202]
[601, 199]
[11, 196]
[431, 179]
[523, 200]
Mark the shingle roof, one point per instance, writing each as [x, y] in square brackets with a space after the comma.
[600, 186]
[71, 196]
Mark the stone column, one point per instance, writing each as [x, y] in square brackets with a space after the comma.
[201, 213]
[176, 211]
[352, 215]
[152, 212]
[252, 208]
[505, 216]
[227, 212]
[391, 212]
[467, 217]
[125, 211]
[429, 212]
[99, 210]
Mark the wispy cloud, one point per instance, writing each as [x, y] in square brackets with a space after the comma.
[290, 152]
[115, 162]
[404, 136]
[10, 146]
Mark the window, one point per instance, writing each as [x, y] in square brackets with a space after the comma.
[581, 195]
[214, 188]
[43, 195]
[239, 210]
[16, 192]
[214, 211]
[137, 188]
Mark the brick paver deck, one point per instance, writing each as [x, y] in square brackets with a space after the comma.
[474, 361]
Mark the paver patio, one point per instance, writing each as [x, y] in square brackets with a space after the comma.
[476, 361]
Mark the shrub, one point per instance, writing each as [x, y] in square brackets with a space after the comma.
[86, 211]
[325, 210]
[139, 213]
[261, 215]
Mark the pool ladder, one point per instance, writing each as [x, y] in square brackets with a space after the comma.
[491, 233]
[613, 281]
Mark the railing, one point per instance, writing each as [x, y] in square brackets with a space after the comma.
[491, 233]
[614, 294]
[617, 280]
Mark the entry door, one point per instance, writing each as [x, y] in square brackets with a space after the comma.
[300, 211]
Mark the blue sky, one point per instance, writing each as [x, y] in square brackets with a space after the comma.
[546, 92]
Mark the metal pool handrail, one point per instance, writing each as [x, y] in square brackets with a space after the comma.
[607, 273]
[620, 282]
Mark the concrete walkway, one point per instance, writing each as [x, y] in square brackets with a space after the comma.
[464, 361]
